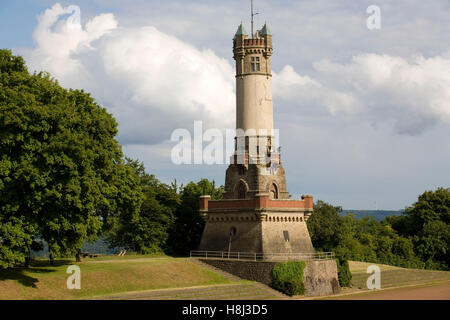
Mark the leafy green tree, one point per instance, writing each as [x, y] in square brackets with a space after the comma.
[16, 239]
[146, 231]
[187, 230]
[430, 206]
[427, 223]
[324, 226]
[433, 244]
[61, 169]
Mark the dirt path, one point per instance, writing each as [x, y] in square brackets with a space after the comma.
[426, 292]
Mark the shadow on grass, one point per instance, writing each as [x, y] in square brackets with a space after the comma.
[20, 275]
[46, 263]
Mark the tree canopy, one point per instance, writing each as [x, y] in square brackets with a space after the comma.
[61, 168]
[427, 223]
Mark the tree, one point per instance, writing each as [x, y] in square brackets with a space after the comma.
[16, 238]
[61, 169]
[433, 244]
[188, 227]
[324, 227]
[427, 223]
[146, 231]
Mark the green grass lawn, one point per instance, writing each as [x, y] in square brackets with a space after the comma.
[107, 275]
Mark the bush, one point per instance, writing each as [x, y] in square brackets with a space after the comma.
[288, 277]
[344, 274]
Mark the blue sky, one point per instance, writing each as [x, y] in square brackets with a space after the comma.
[364, 115]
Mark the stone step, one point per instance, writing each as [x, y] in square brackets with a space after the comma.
[401, 277]
[225, 292]
[405, 274]
[392, 278]
[209, 292]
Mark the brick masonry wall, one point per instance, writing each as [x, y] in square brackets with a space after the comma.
[249, 270]
[320, 276]
[256, 235]
[216, 236]
[273, 237]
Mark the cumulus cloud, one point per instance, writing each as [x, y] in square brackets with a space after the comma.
[58, 41]
[154, 82]
[307, 92]
[412, 95]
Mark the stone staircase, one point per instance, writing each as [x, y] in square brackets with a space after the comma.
[248, 291]
[401, 277]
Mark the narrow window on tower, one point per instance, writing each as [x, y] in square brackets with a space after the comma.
[253, 64]
[258, 68]
[286, 235]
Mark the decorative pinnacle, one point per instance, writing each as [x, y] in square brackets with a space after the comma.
[241, 31]
[265, 30]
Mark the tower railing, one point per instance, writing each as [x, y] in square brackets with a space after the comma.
[254, 256]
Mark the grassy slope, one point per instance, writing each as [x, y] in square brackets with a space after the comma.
[102, 277]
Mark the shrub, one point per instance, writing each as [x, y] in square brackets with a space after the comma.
[288, 277]
[344, 274]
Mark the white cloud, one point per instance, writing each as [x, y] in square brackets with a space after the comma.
[151, 81]
[310, 93]
[154, 82]
[58, 42]
[412, 94]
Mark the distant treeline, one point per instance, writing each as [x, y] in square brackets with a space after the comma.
[377, 214]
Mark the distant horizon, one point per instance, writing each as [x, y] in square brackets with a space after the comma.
[384, 210]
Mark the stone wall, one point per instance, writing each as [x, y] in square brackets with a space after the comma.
[255, 235]
[320, 276]
[250, 270]
[297, 231]
[216, 236]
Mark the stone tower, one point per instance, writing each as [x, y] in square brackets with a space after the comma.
[256, 214]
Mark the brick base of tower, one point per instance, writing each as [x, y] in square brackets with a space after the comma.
[256, 234]
[256, 224]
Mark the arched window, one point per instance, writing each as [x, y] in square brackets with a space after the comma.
[241, 191]
[273, 191]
